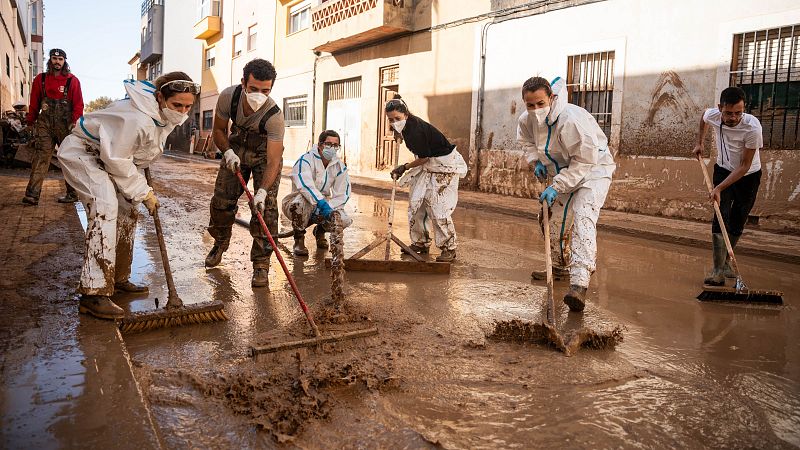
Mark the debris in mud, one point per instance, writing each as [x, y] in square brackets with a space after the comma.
[337, 260]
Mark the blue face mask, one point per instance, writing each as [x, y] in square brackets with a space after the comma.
[328, 152]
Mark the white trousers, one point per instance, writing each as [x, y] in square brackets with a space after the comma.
[573, 229]
[300, 211]
[434, 211]
[111, 221]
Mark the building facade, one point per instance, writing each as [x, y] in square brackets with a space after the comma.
[16, 59]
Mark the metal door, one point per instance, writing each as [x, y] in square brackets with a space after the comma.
[343, 115]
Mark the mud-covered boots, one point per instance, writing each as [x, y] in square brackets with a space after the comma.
[100, 306]
[260, 277]
[419, 249]
[319, 234]
[727, 271]
[575, 298]
[300, 244]
[559, 273]
[214, 257]
[127, 286]
[446, 256]
[28, 200]
[717, 276]
[69, 197]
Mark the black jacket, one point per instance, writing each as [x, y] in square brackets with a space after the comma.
[424, 140]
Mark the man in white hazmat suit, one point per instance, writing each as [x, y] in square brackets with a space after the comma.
[320, 186]
[102, 159]
[564, 143]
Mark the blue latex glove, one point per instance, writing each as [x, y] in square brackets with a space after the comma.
[548, 195]
[540, 171]
[324, 209]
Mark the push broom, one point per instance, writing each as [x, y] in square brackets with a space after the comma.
[318, 338]
[740, 293]
[175, 313]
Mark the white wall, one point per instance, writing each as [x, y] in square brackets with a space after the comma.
[181, 50]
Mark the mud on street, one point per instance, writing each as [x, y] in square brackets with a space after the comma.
[688, 374]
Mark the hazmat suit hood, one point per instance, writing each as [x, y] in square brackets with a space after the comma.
[141, 94]
[559, 88]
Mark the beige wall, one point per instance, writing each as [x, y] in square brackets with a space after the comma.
[16, 47]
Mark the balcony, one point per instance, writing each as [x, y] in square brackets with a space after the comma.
[152, 31]
[342, 24]
[207, 27]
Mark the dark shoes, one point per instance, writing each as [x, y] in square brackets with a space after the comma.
[417, 249]
[215, 255]
[575, 298]
[260, 277]
[70, 197]
[127, 286]
[319, 234]
[30, 200]
[446, 256]
[300, 246]
[100, 306]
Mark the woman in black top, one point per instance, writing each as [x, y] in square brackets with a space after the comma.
[432, 179]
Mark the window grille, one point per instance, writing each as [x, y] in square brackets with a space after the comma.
[294, 111]
[590, 85]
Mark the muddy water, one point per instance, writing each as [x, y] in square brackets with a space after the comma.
[687, 374]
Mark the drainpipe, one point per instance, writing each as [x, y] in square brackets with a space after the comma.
[314, 95]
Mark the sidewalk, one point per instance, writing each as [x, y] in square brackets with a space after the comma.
[758, 243]
[66, 378]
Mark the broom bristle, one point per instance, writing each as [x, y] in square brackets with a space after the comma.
[731, 296]
[174, 317]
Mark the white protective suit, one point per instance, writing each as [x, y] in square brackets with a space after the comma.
[311, 182]
[432, 198]
[102, 159]
[575, 151]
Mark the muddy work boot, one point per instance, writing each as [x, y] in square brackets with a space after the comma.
[215, 255]
[720, 253]
[575, 298]
[319, 234]
[127, 286]
[100, 306]
[446, 256]
[419, 249]
[300, 245]
[260, 277]
[559, 273]
[727, 270]
[70, 197]
[28, 200]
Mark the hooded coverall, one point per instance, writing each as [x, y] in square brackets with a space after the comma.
[312, 182]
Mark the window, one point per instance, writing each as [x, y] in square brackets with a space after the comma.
[765, 64]
[237, 44]
[21, 89]
[294, 111]
[34, 19]
[251, 38]
[154, 70]
[196, 119]
[211, 56]
[207, 8]
[590, 85]
[8, 65]
[208, 119]
[299, 16]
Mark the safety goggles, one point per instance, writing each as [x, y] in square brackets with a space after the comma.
[182, 86]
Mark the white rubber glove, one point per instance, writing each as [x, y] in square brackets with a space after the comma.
[231, 160]
[260, 199]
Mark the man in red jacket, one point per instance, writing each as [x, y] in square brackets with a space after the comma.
[56, 103]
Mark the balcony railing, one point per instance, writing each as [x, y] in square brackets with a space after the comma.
[340, 24]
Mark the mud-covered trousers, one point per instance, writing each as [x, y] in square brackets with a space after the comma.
[111, 220]
[224, 204]
[49, 130]
[434, 211]
[573, 229]
[301, 212]
[736, 201]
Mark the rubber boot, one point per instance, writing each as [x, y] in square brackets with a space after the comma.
[100, 306]
[69, 197]
[575, 298]
[127, 286]
[260, 277]
[300, 244]
[728, 270]
[30, 200]
[319, 234]
[419, 249]
[215, 255]
[446, 256]
[559, 273]
[717, 277]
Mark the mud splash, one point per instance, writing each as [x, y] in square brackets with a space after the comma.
[544, 334]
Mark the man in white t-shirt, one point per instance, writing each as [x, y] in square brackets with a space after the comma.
[737, 173]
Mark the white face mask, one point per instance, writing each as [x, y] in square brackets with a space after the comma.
[256, 100]
[541, 114]
[399, 125]
[328, 152]
[173, 117]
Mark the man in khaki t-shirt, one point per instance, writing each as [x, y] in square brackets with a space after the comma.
[255, 146]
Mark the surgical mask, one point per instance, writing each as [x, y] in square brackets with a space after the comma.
[328, 152]
[399, 125]
[256, 99]
[541, 114]
[173, 117]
